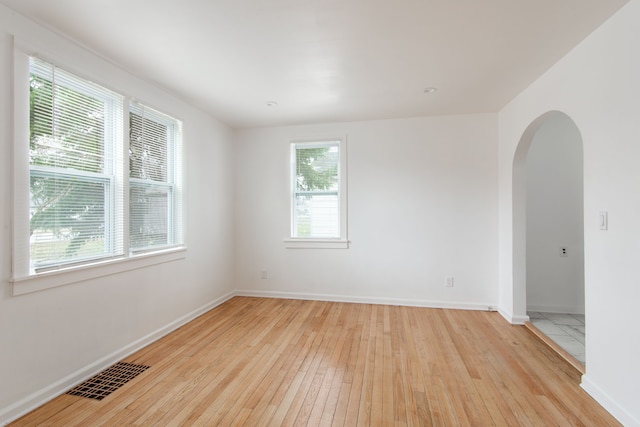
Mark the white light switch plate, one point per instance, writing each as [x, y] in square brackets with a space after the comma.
[603, 220]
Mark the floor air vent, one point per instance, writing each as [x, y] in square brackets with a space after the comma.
[108, 381]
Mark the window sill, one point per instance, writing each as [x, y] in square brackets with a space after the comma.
[316, 244]
[52, 279]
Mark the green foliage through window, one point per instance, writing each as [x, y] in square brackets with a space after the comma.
[316, 210]
[67, 161]
[89, 191]
[316, 168]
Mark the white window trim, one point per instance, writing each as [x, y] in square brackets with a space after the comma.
[88, 271]
[301, 243]
[74, 273]
[341, 242]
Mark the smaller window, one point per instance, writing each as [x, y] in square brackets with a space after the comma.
[154, 199]
[318, 197]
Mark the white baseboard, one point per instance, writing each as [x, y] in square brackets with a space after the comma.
[367, 300]
[61, 386]
[608, 403]
[511, 318]
[556, 309]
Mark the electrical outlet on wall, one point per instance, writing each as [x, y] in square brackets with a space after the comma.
[449, 281]
[564, 252]
[263, 274]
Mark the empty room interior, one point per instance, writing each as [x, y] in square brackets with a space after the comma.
[320, 212]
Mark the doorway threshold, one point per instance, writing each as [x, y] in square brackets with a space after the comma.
[555, 347]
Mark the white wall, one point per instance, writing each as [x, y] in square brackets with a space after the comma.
[422, 197]
[51, 339]
[597, 85]
[555, 219]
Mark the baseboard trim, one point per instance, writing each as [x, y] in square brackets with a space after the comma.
[367, 300]
[511, 318]
[555, 309]
[608, 403]
[34, 400]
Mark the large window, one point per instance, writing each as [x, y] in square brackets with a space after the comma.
[84, 191]
[74, 138]
[318, 207]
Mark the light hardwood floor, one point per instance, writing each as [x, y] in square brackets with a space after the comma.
[255, 362]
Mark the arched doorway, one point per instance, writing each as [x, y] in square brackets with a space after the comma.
[548, 246]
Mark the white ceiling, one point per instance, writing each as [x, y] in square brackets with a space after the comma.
[329, 60]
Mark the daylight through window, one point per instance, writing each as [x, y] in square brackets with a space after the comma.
[80, 199]
[74, 135]
[316, 190]
[152, 192]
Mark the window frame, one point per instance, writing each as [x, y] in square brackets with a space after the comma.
[23, 279]
[341, 241]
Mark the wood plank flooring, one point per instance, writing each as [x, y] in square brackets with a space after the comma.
[276, 362]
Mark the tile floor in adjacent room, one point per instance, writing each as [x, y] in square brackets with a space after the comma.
[567, 330]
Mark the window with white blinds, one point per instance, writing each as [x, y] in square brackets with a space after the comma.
[154, 203]
[318, 190]
[84, 192]
[75, 139]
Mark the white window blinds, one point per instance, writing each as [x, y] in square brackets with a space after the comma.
[316, 205]
[85, 193]
[154, 199]
[75, 138]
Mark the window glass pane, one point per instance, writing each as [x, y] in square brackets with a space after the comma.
[317, 216]
[149, 223]
[66, 126]
[148, 141]
[67, 219]
[317, 168]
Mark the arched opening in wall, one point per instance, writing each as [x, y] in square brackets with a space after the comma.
[548, 245]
